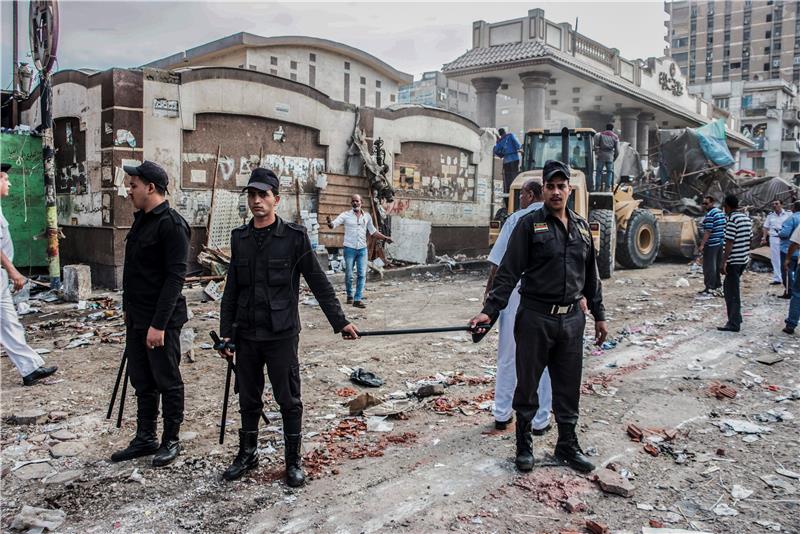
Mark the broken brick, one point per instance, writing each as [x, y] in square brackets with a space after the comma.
[614, 466]
[596, 528]
[722, 391]
[574, 504]
[670, 433]
[655, 523]
[635, 432]
[651, 449]
[612, 482]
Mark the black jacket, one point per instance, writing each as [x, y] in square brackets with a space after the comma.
[557, 265]
[156, 252]
[263, 284]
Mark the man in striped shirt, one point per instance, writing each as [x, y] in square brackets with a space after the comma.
[711, 246]
[738, 233]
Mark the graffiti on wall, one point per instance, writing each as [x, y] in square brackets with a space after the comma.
[70, 157]
[436, 172]
[236, 169]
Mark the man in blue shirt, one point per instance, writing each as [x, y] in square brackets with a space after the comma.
[711, 246]
[785, 233]
[507, 147]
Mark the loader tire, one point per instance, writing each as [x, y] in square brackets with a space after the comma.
[608, 233]
[637, 247]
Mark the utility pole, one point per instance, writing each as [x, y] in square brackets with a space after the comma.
[15, 53]
[44, 43]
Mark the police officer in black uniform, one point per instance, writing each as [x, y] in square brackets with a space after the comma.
[156, 251]
[259, 313]
[552, 250]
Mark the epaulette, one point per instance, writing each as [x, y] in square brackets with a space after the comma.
[177, 218]
[296, 227]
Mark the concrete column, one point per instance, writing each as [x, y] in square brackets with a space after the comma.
[486, 93]
[643, 134]
[534, 84]
[595, 119]
[629, 119]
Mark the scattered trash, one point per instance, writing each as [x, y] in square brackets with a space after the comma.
[681, 282]
[379, 424]
[772, 525]
[365, 378]
[430, 390]
[390, 407]
[137, 477]
[776, 415]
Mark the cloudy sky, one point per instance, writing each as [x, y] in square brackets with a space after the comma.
[411, 36]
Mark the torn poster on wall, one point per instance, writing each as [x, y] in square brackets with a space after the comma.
[235, 170]
[437, 173]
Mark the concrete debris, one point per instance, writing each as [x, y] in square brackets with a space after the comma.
[33, 416]
[740, 492]
[64, 477]
[33, 471]
[612, 482]
[681, 282]
[723, 509]
[67, 449]
[31, 518]
[77, 283]
[770, 359]
[777, 415]
[778, 483]
[651, 530]
[63, 435]
[787, 473]
[742, 427]
[771, 525]
[390, 407]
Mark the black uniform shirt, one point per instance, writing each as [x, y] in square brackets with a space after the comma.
[557, 264]
[156, 252]
[262, 287]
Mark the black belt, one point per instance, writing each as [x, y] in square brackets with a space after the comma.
[548, 308]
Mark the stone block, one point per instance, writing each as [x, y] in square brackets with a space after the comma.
[411, 238]
[77, 282]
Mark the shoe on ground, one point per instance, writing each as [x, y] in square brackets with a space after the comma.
[349, 300]
[502, 425]
[144, 444]
[773, 283]
[706, 291]
[784, 296]
[541, 431]
[38, 374]
[247, 458]
[359, 304]
[727, 328]
[524, 459]
[788, 330]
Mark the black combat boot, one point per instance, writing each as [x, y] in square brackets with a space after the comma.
[170, 445]
[247, 458]
[144, 444]
[295, 476]
[568, 450]
[524, 458]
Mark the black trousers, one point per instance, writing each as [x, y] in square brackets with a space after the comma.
[712, 261]
[280, 357]
[554, 342]
[733, 300]
[156, 373]
[510, 171]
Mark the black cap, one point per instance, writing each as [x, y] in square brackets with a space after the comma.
[149, 172]
[5, 167]
[553, 168]
[263, 180]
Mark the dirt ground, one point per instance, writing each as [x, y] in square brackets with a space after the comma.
[441, 466]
